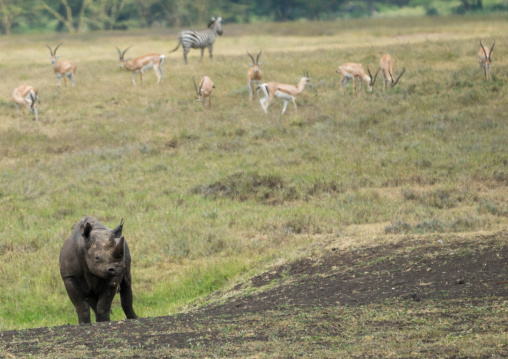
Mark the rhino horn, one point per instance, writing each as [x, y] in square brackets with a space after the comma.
[119, 250]
[87, 229]
[118, 230]
[111, 240]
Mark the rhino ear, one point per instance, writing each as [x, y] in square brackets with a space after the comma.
[118, 230]
[119, 250]
[87, 229]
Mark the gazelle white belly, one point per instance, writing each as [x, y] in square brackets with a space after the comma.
[147, 67]
[283, 95]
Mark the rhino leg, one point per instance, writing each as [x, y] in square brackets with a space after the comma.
[126, 297]
[92, 302]
[104, 305]
[78, 299]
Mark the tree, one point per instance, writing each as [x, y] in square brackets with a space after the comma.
[67, 19]
[9, 9]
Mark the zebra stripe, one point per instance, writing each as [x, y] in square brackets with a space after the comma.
[200, 39]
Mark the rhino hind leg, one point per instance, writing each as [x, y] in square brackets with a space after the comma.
[126, 299]
[78, 299]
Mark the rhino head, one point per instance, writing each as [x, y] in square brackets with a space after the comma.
[104, 254]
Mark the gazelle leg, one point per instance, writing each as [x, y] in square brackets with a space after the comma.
[132, 76]
[294, 103]
[285, 105]
[159, 73]
[264, 99]
[251, 85]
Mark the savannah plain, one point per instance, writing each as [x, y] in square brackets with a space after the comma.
[372, 225]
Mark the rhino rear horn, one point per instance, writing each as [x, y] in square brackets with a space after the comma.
[118, 230]
[87, 229]
[119, 249]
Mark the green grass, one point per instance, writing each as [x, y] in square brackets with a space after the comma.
[431, 153]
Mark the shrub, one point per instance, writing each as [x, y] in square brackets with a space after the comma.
[398, 227]
[243, 186]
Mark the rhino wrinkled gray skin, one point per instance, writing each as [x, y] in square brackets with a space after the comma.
[94, 264]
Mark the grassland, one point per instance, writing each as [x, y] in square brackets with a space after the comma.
[213, 195]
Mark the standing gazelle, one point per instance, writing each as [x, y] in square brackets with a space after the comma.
[485, 58]
[353, 71]
[205, 90]
[62, 68]
[26, 96]
[386, 65]
[254, 75]
[283, 91]
[142, 63]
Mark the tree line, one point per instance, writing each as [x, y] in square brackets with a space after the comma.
[25, 16]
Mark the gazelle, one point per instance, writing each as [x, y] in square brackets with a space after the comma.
[283, 91]
[205, 90]
[26, 96]
[386, 65]
[353, 71]
[485, 58]
[142, 63]
[254, 75]
[62, 68]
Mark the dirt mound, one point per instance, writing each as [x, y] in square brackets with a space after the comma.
[315, 305]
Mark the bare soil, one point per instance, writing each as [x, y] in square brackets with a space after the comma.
[256, 315]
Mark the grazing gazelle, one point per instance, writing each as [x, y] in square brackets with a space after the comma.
[26, 96]
[386, 65]
[62, 68]
[142, 63]
[254, 75]
[283, 91]
[205, 90]
[353, 71]
[485, 58]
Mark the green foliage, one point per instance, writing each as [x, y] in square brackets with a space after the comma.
[21, 16]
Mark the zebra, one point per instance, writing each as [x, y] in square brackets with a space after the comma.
[200, 39]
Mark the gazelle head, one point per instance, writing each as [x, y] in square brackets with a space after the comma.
[488, 57]
[121, 54]
[198, 91]
[52, 53]
[215, 23]
[372, 79]
[255, 64]
[393, 83]
[306, 79]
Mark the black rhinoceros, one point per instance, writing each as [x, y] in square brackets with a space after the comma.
[95, 264]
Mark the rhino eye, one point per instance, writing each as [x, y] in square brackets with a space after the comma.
[97, 258]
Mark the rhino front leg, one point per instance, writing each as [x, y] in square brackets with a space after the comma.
[78, 299]
[104, 305]
[126, 297]
[92, 302]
